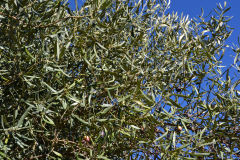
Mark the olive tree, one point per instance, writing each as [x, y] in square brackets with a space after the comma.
[115, 80]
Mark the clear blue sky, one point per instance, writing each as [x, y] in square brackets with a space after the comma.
[193, 9]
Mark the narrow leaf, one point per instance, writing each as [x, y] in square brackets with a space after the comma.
[80, 119]
[24, 115]
[57, 153]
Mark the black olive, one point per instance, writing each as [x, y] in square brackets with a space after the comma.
[178, 89]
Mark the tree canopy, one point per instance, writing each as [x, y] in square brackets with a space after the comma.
[116, 80]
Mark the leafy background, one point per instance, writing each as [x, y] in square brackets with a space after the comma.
[193, 9]
[84, 85]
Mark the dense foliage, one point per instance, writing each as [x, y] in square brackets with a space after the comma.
[115, 80]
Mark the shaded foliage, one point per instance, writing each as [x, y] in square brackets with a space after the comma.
[115, 79]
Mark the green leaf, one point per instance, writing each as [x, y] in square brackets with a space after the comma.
[161, 137]
[199, 154]
[226, 10]
[51, 89]
[174, 140]
[107, 109]
[174, 103]
[57, 49]
[58, 154]
[102, 157]
[48, 120]
[105, 4]
[201, 133]
[135, 127]
[28, 53]
[206, 144]
[81, 120]
[3, 155]
[125, 133]
[102, 120]
[20, 122]
[141, 104]
[236, 58]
